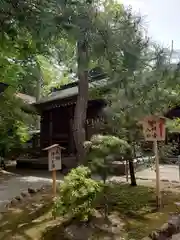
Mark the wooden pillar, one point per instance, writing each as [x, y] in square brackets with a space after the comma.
[50, 128]
[71, 145]
[90, 128]
[41, 132]
[71, 137]
[86, 129]
[158, 193]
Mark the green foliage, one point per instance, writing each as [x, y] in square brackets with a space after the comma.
[129, 200]
[173, 126]
[141, 79]
[77, 195]
[167, 150]
[39, 42]
[13, 128]
[101, 153]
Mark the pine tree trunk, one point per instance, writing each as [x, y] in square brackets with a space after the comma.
[82, 101]
[130, 157]
[132, 173]
[38, 89]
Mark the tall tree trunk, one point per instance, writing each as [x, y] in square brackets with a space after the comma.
[129, 137]
[131, 166]
[131, 156]
[38, 89]
[82, 100]
[132, 173]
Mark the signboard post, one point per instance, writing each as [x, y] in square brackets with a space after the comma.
[154, 130]
[54, 162]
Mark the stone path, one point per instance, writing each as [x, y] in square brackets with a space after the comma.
[21, 180]
[14, 185]
[167, 172]
[176, 237]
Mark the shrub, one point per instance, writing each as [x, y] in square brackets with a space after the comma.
[77, 195]
[167, 151]
[101, 152]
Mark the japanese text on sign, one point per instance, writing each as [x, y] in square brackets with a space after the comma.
[55, 159]
[154, 129]
[52, 160]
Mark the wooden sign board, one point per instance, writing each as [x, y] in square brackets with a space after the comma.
[54, 162]
[54, 157]
[154, 128]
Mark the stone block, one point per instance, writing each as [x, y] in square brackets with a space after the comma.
[32, 191]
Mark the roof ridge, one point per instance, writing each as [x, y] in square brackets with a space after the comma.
[92, 78]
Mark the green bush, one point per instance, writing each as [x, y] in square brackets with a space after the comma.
[166, 151]
[102, 150]
[77, 195]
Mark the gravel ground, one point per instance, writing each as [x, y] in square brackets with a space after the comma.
[19, 180]
[12, 185]
[16, 181]
[176, 237]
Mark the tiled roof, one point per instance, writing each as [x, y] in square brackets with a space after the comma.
[67, 92]
[59, 95]
[26, 98]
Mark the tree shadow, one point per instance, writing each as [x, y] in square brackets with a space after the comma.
[17, 225]
[97, 227]
[55, 233]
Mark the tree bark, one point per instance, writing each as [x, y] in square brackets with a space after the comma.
[82, 101]
[130, 158]
[131, 167]
[132, 173]
[38, 89]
